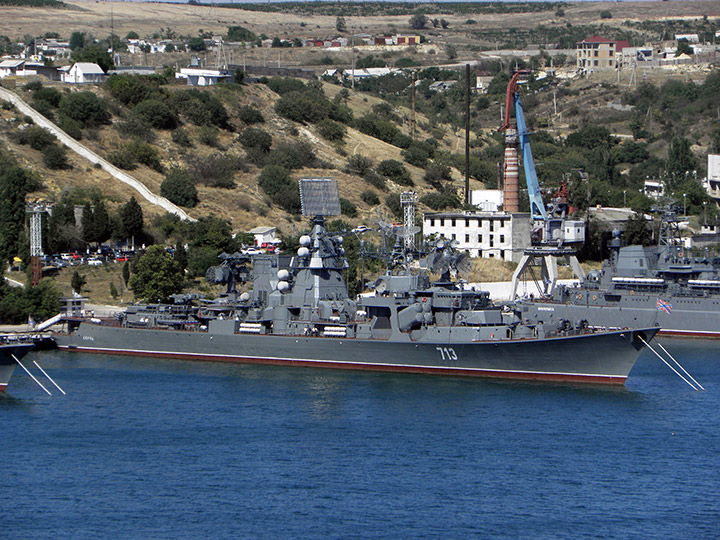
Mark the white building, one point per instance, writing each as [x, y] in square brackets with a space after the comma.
[263, 235]
[10, 66]
[83, 73]
[487, 200]
[712, 186]
[483, 234]
[654, 188]
[204, 77]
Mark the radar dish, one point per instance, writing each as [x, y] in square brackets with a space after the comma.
[319, 197]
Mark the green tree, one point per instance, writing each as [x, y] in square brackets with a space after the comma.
[126, 272]
[340, 24]
[636, 231]
[179, 188]
[77, 282]
[156, 276]
[196, 44]
[55, 157]
[131, 218]
[680, 159]
[132, 34]
[684, 48]
[157, 114]
[77, 40]
[13, 189]
[238, 33]
[85, 108]
[418, 21]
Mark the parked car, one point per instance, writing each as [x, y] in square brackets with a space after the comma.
[250, 251]
[94, 262]
[361, 229]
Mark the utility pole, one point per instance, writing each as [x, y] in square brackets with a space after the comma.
[412, 106]
[467, 134]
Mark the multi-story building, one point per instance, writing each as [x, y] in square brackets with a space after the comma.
[712, 185]
[599, 53]
[501, 235]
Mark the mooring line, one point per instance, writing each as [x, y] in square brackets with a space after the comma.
[49, 379]
[31, 375]
[678, 364]
[668, 365]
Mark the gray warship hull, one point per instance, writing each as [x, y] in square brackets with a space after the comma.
[688, 316]
[599, 358]
[10, 354]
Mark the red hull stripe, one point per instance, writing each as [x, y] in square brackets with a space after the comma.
[689, 333]
[465, 372]
[3, 387]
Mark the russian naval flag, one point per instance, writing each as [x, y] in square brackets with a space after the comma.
[662, 305]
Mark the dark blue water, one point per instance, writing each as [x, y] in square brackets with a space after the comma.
[143, 448]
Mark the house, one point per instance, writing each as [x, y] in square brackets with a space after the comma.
[132, 70]
[597, 52]
[654, 188]
[487, 200]
[691, 38]
[204, 77]
[502, 235]
[712, 184]
[83, 73]
[51, 72]
[9, 67]
[400, 39]
[263, 235]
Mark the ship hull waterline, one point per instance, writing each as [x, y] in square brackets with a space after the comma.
[8, 362]
[601, 358]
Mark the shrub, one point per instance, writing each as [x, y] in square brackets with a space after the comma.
[436, 174]
[130, 90]
[439, 201]
[395, 171]
[86, 108]
[393, 203]
[71, 127]
[179, 188]
[44, 108]
[157, 114]
[418, 153]
[200, 108]
[181, 138]
[135, 127]
[375, 180]
[280, 187]
[250, 115]
[49, 95]
[145, 154]
[55, 157]
[293, 155]
[33, 85]
[331, 130]
[605, 14]
[348, 208]
[35, 136]
[255, 138]
[217, 170]
[370, 198]
[359, 164]
[285, 85]
[208, 136]
[122, 159]
[303, 107]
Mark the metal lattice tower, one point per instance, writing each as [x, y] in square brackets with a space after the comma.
[408, 200]
[36, 211]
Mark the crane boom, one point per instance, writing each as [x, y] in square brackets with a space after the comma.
[537, 207]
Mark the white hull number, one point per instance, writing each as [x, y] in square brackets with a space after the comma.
[447, 353]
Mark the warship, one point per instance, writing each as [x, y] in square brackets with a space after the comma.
[12, 349]
[298, 313]
[643, 285]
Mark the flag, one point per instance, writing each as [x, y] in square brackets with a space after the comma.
[664, 306]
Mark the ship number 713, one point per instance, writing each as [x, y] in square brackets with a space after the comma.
[447, 353]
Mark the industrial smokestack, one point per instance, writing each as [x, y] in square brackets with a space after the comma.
[511, 173]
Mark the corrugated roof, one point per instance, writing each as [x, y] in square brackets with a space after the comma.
[89, 68]
[11, 63]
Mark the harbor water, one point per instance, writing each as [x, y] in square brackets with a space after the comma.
[147, 448]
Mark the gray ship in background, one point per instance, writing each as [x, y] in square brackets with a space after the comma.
[298, 313]
[663, 284]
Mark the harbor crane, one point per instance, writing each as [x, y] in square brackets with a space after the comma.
[553, 235]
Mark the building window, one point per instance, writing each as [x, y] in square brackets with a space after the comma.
[612, 53]
[595, 63]
[467, 222]
[492, 225]
[452, 236]
[502, 254]
[492, 241]
[502, 238]
[479, 238]
[452, 223]
[467, 238]
[595, 54]
[442, 222]
[432, 222]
